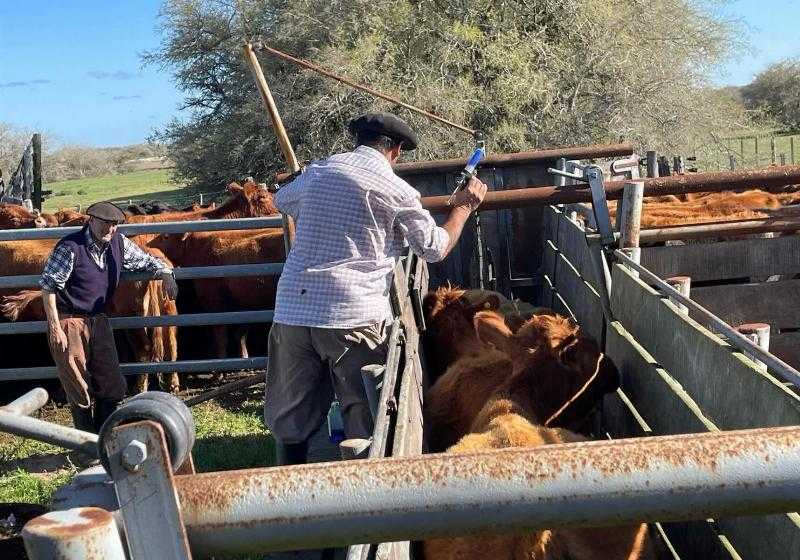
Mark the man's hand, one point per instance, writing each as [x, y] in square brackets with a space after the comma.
[471, 196]
[57, 335]
[170, 285]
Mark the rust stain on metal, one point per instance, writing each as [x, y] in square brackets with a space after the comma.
[94, 518]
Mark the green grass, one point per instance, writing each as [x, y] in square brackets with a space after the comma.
[230, 435]
[744, 149]
[134, 186]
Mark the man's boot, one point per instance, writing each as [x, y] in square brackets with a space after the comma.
[103, 408]
[82, 418]
[291, 453]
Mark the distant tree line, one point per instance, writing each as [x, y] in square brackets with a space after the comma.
[529, 73]
[70, 161]
[776, 92]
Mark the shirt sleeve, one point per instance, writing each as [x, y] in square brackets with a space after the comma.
[417, 226]
[136, 259]
[287, 199]
[57, 269]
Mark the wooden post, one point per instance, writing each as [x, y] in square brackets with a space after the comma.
[630, 208]
[755, 138]
[679, 165]
[277, 124]
[652, 163]
[37, 171]
[684, 285]
[732, 159]
[772, 148]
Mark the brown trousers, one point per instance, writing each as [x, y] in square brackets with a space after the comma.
[89, 368]
[306, 364]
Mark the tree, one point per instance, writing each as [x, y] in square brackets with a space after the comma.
[776, 91]
[528, 73]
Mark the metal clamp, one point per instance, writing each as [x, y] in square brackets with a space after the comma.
[593, 175]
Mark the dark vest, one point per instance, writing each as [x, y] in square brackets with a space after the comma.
[89, 288]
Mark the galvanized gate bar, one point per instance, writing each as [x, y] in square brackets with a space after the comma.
[181, 273]
[719, 229]
[520, 197]
[48, 432]
[187, 320]
[149, 227]
[696, 476]
[734, 337]
[137, 368]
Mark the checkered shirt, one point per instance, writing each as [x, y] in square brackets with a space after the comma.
[58, 267]
[353, 218]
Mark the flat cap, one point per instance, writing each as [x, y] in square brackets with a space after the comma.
[386, 124]
[106, 211]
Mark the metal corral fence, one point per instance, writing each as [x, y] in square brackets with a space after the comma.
[677, 375]
[182, 320]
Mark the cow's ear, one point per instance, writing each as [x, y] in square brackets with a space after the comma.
[480, 300]
[492, 329]
[235, 187]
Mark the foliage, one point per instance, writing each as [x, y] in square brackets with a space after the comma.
[20, 486]
[529, 73]
[776, 91]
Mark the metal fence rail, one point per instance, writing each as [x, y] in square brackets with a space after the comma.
[181, 320]
[149, 227]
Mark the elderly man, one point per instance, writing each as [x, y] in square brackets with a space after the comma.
[78, 282]
[354, 217]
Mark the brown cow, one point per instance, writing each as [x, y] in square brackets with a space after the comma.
[561, 394]
[13, 216]
[515, 400]
[233, 293]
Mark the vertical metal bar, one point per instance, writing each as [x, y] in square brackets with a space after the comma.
[73, 534]
[37, 171]
[145, 488]
[755, 138]
[741, 147]
[732, 162]
[791, 148]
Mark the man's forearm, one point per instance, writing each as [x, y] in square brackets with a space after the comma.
[50, 310]
[455, 225]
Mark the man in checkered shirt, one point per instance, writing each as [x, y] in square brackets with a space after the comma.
[78, 281]
[353, 217]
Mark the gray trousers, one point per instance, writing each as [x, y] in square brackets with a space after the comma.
[306, 364]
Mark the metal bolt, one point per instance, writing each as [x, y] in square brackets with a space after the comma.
[134, 455]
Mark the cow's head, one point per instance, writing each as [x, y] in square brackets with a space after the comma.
[449, 331]
[255, 200]
[554, 364]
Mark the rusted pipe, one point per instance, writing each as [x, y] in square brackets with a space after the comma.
[718, 229]
[675, 184]
[681, 477]
[598, 151]
[75, 534]
[519, 158]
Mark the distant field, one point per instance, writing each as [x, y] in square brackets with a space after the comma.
[135, 186]
[752, 151]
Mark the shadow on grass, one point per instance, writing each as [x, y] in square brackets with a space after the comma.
[225, 453]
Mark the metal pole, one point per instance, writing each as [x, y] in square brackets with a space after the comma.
[772, 148]
[28, 403]
[732, 165]
[73, 534]
[37, 171]
[791, 148]
[519, 197]
[776, 365]
[758, 333]
[596, 483]
[718, 229]
[69, 438]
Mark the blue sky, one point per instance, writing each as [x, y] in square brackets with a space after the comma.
[72, 68]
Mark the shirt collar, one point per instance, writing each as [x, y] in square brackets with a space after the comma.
[374, 154]
[92, 244]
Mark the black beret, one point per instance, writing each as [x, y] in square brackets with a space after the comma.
[106, 211]
[386, 124]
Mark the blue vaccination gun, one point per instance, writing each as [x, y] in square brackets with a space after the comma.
[469, 170]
